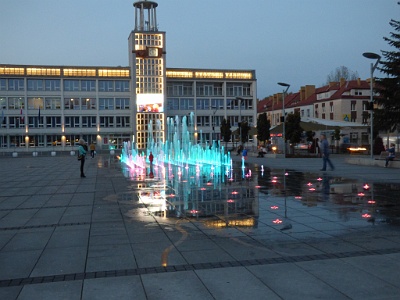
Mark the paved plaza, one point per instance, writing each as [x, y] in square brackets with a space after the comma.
[66, 237]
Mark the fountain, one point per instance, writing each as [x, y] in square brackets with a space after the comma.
[180, 149]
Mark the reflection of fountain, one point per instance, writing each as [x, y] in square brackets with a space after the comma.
[179, 149]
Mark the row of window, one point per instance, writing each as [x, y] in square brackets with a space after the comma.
[208, 89]
[10, 122]
[216, 121]
[70, 85]
[207, 104]
[42, 140]
[107, 141]
[69, 103]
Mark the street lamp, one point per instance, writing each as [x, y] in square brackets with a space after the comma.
[240, 118]
[371, 55]
[283, 115]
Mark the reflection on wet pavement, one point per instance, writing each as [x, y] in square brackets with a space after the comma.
[284, 201]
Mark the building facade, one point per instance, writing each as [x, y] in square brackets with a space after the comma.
[343, 104]
[52, 107]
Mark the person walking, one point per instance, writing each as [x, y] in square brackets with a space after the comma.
[391, 154]
[92, 148]
[244, 153]
[325, 153]
[82, 155]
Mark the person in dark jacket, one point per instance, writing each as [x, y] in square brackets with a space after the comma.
[82, 150]
[391, 154]
[325, 153]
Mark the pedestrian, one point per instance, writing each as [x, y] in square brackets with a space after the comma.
[92, 148]
[82, 155]
[151, 157]
[391, 154]
[244, 153]
[325, 153]
[239, 149]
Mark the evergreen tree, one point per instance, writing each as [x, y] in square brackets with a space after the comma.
[244, 129]
[293, 130]
[263, 127]
[388, 116]
[226, 131]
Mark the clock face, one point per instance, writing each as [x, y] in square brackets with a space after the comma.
[153, 52]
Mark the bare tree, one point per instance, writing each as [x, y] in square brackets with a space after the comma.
[341, 72]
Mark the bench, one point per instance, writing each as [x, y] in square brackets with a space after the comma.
[385, 154]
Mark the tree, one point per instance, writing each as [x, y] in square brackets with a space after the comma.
[244, 129]
[387, 117]
[263, 126]
[293, 130]
[226, 131]
[341, 72]
[378, 145]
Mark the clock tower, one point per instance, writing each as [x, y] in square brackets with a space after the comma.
[147, 66]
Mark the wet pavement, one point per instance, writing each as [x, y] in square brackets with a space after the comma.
[277, 229]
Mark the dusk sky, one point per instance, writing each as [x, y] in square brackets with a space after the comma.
[294, 41]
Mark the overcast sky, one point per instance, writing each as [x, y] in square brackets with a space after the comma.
[294, 41]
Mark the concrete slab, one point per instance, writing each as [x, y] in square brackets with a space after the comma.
[182, 285]
[235, 283]
[51, 291]
[121, 288]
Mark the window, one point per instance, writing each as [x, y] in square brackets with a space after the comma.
[121, 103]
[72, 122]
[203, 104]
[106, 103]
[35, 122]
[3, 84]
[16, 85]
[172, 104]
[177, 90]
[71, 85]
[123, 122]
[53, 122]
[53, 140]
[186, 104]
[52, 103]
[35, 85]
[16, 103]
[3, 103]
[237, 90]
[107, 121]
[353, 106]
[106, 86]
[203, 120]
[232, 104]
[122, 86]
[217, 103]
[88, 103]
[16, 122]
[52, 84]
[88, 85]
[35, 103]
[89, 121]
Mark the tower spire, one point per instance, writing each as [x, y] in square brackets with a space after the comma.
[145, 16]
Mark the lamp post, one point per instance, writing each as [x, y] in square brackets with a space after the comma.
[371, 55]
[240, 118]
[283, 116]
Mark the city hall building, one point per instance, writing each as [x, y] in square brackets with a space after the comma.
[51, 107]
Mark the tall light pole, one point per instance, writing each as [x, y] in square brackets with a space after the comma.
[283, 119]
[371, 55]
[240, 118]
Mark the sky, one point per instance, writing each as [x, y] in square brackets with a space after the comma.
[299, 42]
